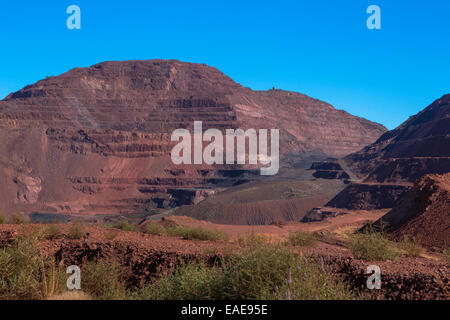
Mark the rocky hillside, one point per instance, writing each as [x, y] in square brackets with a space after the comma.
[398, 158]
[96, 140]
[424, 213]
[420, 146]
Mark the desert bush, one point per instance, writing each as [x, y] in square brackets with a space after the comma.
[103, 280]
[19, 218]
[154, 228]
[75, 231]
[2, 218]
[124, 225]
[301, 239]
[53, 279]
[19, 271]
[372, 246]
[111, 234]
[276, 272]
[25, 274]
[193, 281]
[265, 272]
[197, 233]
[52, 232]
[258, 272]
[410, 247]
[446, 253]
[253, 240]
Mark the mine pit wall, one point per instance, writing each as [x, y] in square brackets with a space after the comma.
[93, 171]
[368, 197]
[408, 169]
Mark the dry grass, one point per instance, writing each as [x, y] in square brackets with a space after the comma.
[25, 274]
[76, 231]
[373, 247]
[446, 253]
[19, 218]
[104, 280]
[124, 225]
[52, 279]
[197, 233]
[302, 239]
[111, 234]
[155, 229]
[258, 272]
[2, 218]
[253, 239]
[51, 232]
[410, 247]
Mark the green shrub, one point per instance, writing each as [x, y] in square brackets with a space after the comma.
[302, 239]
[2, 218]
[111, 234]
[52, 232]
[155, 229]
[197, 233]
[258, 272]
[25, 274]
[19, 218]
[410, 247]
[372, 247]
[270, 272]
[266, 272]
[75, 231]
[124, 225]
[53, 279]
[19, 271]
[193, 281]
[104, 280]
[253, 240]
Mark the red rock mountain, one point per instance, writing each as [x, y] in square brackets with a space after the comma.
[96, 140]
[420, 146]
[424, 213]
[388, 168]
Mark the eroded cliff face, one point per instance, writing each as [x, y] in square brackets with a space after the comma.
[97, 140]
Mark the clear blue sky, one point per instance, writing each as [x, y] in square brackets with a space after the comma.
[320, 48]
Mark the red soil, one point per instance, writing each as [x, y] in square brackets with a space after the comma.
[424, 214]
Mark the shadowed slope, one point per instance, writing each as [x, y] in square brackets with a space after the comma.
[388, 167]
[424, 213]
